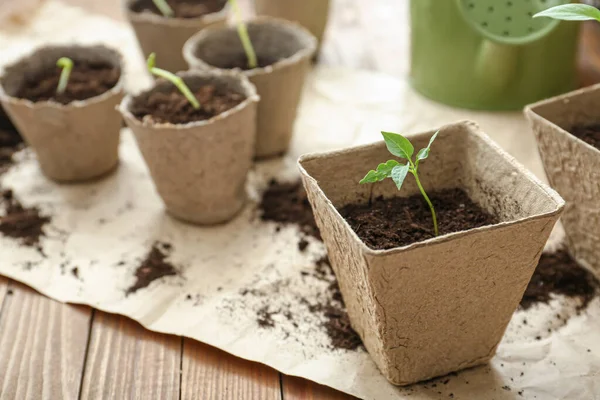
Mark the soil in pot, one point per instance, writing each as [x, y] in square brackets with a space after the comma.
[588, 133]
[559, 274]
[400, 221]
[10, 142]
[172, 106]
[182, 8]
[241, 62]
[87, 80]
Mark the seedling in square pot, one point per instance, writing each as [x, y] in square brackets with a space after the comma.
[401, 147]
[244, 36]
[67, 66]
[174, 79]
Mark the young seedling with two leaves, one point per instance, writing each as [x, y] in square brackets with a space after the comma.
[402, 148]
[571, 12]
[67, 66]
[242, 29]
[174, 79]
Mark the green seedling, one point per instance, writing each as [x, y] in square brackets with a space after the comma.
[174, 79]
[571, 12]
[402, 148]
[164, 8]
[244, 37]
[67, 66]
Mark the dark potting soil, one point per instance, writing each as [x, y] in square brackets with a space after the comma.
[287, 203]
[588, 133]
[10, 142]
[172, 106]
[18, 222]
[559, 274]
[182, 8]
[87, 80]
[241, 62]
[400, 221]
[153, 267]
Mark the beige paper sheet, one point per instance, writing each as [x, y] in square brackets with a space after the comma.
[105, 229]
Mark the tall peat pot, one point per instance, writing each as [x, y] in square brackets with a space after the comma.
[443, 304]
[200, 168]
[572, 165]
[166, 36]
[73, 142]
[285, 49]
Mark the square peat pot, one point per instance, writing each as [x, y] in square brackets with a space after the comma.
[443, 304]
[572, 165]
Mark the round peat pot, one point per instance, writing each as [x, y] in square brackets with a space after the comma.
[166, 36]
[284, 50]
[74, 135]
[490, 55]
[312, 14]
[199, 168]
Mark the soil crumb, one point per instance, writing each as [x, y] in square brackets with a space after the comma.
[400, 221]
[173, 107]
[559, 274]
[153, 267]
[588, 133]
[87, 80]
[287, 203]
[19, 222]
[182, 8]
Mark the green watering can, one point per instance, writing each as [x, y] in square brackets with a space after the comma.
[491, 54]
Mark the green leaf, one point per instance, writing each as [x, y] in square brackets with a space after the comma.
[398, 145]
[387, 167]
[571, 12]
[373, 176]
[424, 153]
[399, 174]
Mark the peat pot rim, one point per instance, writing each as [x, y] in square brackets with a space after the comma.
[249, 90]
[473, 129]
[149, 17]
[76, 104]
[306, 52]
[531, 113]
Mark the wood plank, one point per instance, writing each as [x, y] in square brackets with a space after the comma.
[211, 374]
[42, 346]
[294, 388]
[124, 360]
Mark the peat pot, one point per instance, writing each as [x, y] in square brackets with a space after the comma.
[312, 14]
[199, 168]
[286, 48]
[443, 304]
[76, 141]
[166, 36]
[572, 165]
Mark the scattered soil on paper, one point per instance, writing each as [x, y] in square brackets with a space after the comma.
[559, 274]
[87, 80]
[588, 133]
[173, 107]
[23, 223]
[153, 267]
[400, 221]
[182, 8]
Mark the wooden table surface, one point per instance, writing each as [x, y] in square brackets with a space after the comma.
[49, 350]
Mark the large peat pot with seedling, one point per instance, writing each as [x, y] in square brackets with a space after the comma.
[312, 14]
[426, 305]
[62, 99]
[282, 51]
[567, 129]
[196, 132]
[163, 26]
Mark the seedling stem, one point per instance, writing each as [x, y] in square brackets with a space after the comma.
[67, 66]
[244, 36]
[164, 8]
[174, 79]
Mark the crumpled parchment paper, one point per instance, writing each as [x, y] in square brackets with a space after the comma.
[229, 275]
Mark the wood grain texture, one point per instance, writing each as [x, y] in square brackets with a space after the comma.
[300, 389]
[3, 289]
[42, 346]
[211, 374]
[126, 361]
